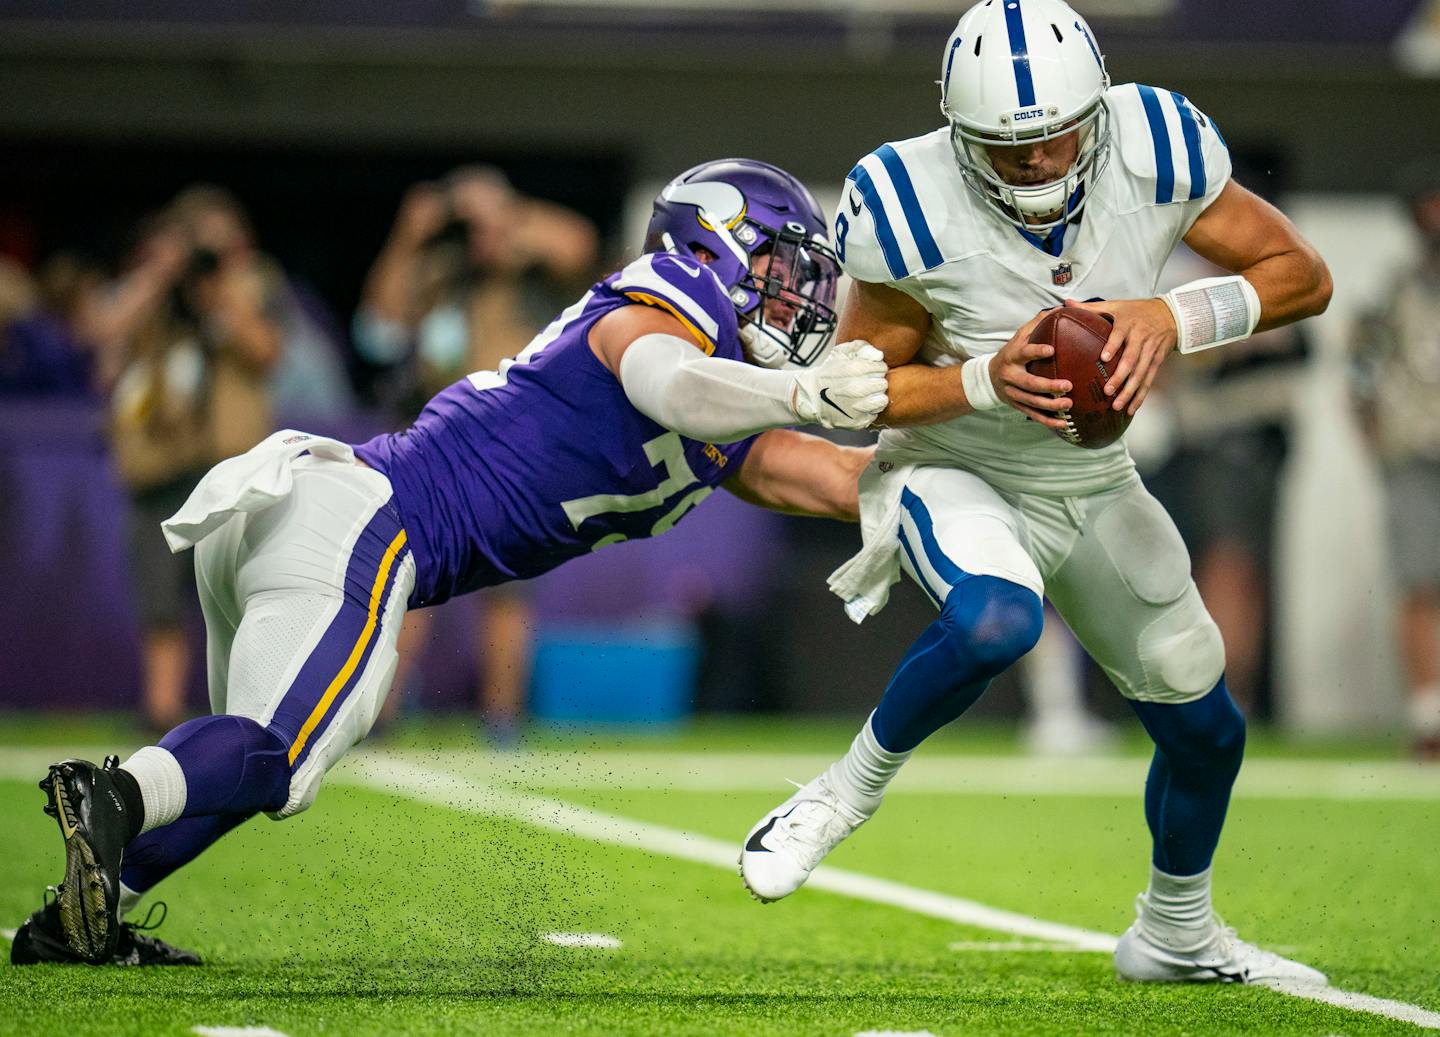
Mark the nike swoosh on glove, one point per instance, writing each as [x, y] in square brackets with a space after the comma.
[845, 390]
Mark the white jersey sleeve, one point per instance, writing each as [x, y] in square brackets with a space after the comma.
[1173, 151]
[882, 234]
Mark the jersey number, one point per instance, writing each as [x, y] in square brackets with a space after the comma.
[842, 227]
[666, 452]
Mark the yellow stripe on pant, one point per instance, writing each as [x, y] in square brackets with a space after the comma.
[371, 621]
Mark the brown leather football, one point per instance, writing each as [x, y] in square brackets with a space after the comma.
[1078, 337]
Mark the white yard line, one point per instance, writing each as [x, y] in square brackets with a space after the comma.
[597, 941]
[236, 1031]
[392, 775]
[1401, 1010]
[1014, 945]
[1342, 780]
[9, 934]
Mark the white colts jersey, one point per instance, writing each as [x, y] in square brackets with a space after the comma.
[907, 219]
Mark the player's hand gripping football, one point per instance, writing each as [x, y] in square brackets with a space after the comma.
[845, 390]
[1039, 399]
[1143, 337]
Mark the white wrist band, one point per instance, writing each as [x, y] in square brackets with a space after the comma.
[1213, 311]
[979, 390]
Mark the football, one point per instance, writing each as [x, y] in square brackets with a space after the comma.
[1078, 337]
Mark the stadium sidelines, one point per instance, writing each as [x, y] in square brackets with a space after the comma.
[392, 774]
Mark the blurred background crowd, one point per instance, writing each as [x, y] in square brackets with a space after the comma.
[218, 221]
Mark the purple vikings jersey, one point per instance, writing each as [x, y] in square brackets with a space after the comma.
[507, 474]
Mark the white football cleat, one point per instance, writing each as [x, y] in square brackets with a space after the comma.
[1224, 959]
[785, 846]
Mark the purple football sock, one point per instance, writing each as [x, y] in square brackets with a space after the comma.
[157, 853]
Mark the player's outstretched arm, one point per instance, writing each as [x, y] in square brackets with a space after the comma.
[1284, 280]
[1243, 233]
[670, 380]
[922, 394]
[800, 474]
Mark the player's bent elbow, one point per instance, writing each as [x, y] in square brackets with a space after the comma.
[1324, 289]
[1319, 285]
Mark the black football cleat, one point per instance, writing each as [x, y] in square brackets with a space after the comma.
[41, 940]
[85, 803]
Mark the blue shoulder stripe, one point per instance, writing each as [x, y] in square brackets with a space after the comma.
[1019, 53]
[910, 205]
[889, 247]
[1191, 131]
[1160, 135]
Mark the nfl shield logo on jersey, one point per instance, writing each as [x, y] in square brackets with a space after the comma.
[1061, 274]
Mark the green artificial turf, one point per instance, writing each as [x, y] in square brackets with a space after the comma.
[377, 914]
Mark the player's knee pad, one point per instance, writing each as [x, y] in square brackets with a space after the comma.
[989, 623]
[1205, 735]
[232, 765]
[1181, 653]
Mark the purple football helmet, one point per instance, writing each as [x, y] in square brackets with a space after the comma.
[763, 235]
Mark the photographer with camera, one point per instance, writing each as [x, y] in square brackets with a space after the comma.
[194, 331]
[472, 269]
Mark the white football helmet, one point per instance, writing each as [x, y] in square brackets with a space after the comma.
[1017, 71]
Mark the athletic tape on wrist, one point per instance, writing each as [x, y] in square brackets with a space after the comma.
[1213, 311]
[979, 390]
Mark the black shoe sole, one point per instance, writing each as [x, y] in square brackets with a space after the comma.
[89, 922]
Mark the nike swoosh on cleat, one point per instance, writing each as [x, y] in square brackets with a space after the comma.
[1231, 977]
[754, 845]
[825, 395]
[67, 827]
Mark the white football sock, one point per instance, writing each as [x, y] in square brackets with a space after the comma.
[1177, 912]
[860, 776]
[1424, 710]
[128, 899]
[162, 785]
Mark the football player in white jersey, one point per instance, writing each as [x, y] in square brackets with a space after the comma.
[1047, 187]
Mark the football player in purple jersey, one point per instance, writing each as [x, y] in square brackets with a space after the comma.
[667, 379]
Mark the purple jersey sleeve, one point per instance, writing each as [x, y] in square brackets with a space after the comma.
[508, 473]
[689, 292]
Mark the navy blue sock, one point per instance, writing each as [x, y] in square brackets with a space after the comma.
[985, 624]
[160, 851]
[232, 765]
[1198, 749]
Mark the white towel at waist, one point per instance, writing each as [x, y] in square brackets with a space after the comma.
[864, 582]
[251, 482]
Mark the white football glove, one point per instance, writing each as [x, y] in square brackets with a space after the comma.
[762, 350]
[844, 390]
